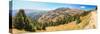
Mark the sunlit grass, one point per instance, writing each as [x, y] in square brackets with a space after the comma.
[84, 22]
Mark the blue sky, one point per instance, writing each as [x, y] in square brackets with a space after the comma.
[48, 6]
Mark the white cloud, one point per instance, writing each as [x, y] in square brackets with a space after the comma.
[82, 6]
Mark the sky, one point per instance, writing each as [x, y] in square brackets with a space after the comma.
[47, 6]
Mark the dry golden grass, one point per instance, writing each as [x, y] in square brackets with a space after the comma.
[88, 21]
[16, 31]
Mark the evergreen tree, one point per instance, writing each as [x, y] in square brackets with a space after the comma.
[19, 21]
[23, 22]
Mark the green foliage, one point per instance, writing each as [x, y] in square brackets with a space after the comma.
[21, 21]
[64, 21]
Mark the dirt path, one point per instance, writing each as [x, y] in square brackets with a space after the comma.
[92, 23]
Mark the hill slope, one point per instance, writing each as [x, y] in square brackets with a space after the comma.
[86, 23]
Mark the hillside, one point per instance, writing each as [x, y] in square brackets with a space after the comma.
[55, 20]
[61, 16]
[86, 23]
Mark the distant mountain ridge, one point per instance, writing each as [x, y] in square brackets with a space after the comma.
[31, 13]
[60, 14]
[33, 21]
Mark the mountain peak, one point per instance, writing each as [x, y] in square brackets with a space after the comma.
[59, 14]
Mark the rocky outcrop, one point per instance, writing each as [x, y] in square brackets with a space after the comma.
[60, 14]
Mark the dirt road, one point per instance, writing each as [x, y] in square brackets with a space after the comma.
[92, 23]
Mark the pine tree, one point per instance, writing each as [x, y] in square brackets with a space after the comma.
[19, 21]
[23, 22]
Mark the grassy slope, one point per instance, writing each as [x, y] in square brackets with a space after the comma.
[70, 26]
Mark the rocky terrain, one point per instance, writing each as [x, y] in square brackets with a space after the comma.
[58, 19]
[62, 15]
